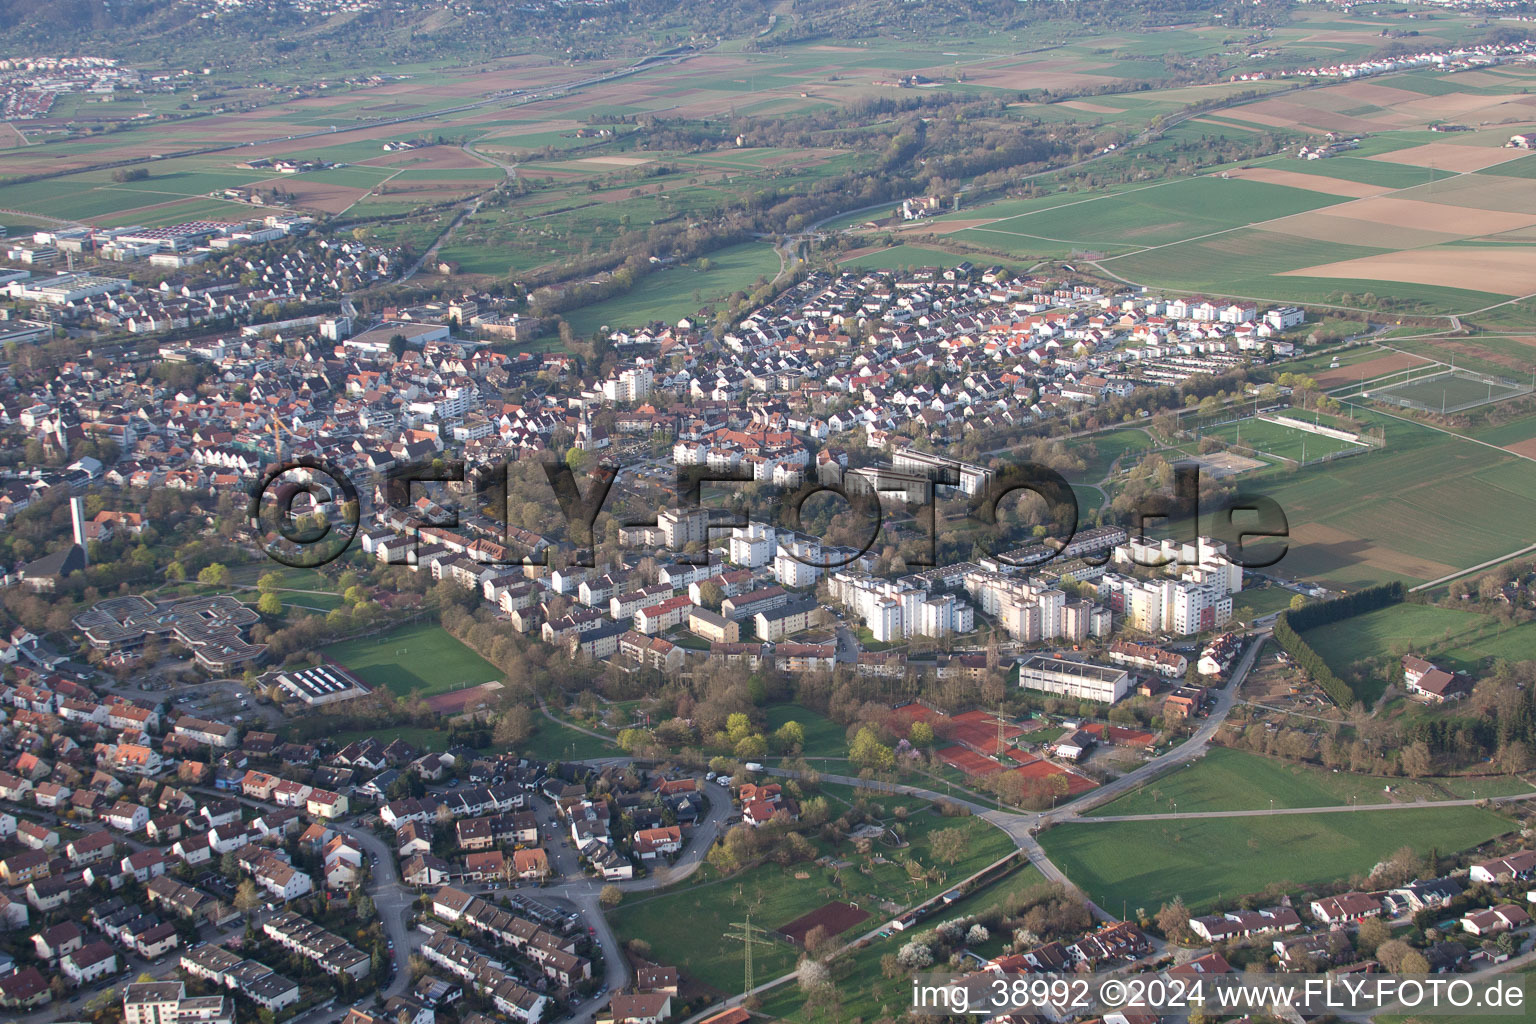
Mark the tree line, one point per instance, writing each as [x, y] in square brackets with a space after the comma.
[1290, 624]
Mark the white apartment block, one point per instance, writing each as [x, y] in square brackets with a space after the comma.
[681, 527]
[631, 385]
[973, 479]
[790, 565]
[1028, 609]
[893, 611]
[1205, 560]
[1172, 606]
[753, 546]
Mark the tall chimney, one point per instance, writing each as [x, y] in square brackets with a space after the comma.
[77, 516]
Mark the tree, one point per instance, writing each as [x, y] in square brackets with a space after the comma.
[710, 595]
[920, 735]
[949, 844]
[1173, 918]
[750, 748]
[977, 935]
[269, 582]
[1392, 953]
[813, 975]
[247, 897]
[1413, 962]
[914, 956]
[513, 727]
[269, 604]
[868, 752]
[789, 738]
[737, 726]
[215, 574]
[1373, 932]
[610, 896]
[1298, 602]
[1416, 760]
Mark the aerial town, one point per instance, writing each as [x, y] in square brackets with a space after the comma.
[664, 513]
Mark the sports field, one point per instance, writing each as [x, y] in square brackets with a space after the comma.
[1125, 865]
[1280, 441]
[1235, 780]
[422, 657]
[1444, 392]
[1401, 513]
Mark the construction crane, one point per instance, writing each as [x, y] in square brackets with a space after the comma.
[277, 429]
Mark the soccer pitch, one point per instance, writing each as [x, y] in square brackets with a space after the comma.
[422, 657]
[1280, 441]
[1452, 391]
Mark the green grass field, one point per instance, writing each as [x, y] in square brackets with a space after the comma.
[1099, 451]
[823, 737]
[1255, 601]
[1235, 780]
[902, 256]
[866, 993]
[552, 741]
[677, 292]
[1165, 212]
[422, 739]
[684, 926]
[1456, 640]
[1382, 517]
[1444, 391]
[1279, 440]
[422, 657]
[1125, 865]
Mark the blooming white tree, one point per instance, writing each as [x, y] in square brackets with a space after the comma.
[814, 975]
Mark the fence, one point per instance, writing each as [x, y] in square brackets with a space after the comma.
[1467, 397]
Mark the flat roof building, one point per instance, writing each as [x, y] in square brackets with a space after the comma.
[1081, 680]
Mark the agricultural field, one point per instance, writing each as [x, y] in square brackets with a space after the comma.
[1379, 517]
[1207, 859]
[682, 291]
[1425, 221]
[1234, 780]
[421, 657]
[1158, 214]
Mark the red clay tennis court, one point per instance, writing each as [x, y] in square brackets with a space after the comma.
[969, 761]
